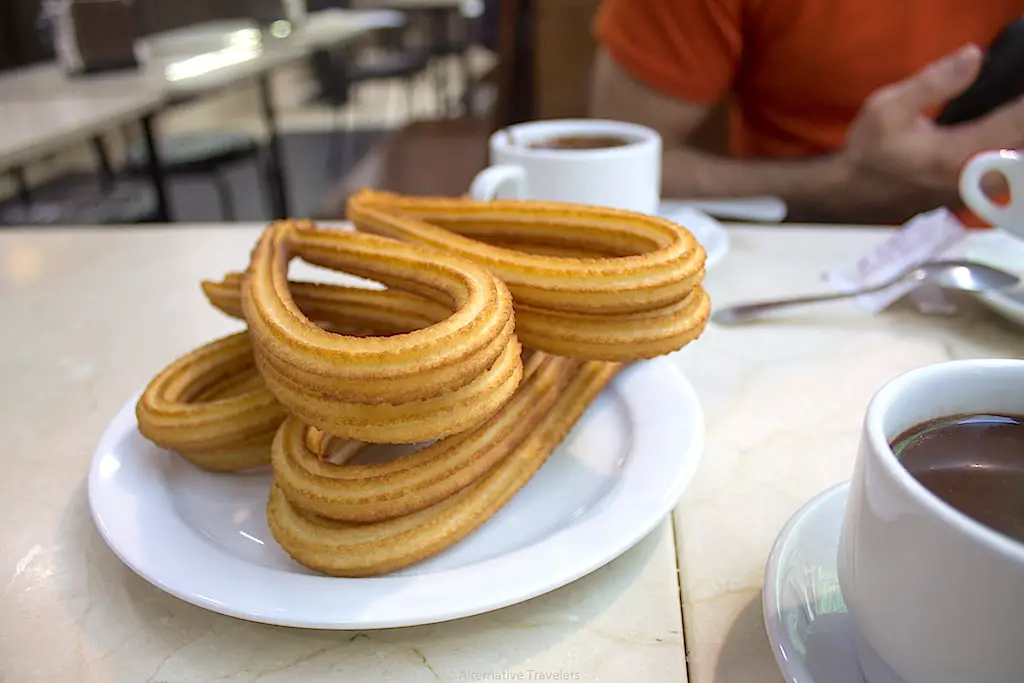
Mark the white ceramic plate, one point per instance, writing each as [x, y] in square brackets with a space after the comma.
[203, 537]
[809, 628]
[1002, 250]
[709, 232]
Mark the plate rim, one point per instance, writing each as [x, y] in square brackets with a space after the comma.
[793, 670]
[1001, 302]
[685, 419]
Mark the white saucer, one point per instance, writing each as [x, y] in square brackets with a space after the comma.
[708, 231]
[763, 209]
[1001, 250]
[810, 631]
[203, 537]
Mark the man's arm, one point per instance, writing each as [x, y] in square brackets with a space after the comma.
[895, 163]
[812, 188]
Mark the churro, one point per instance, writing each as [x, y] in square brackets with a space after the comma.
[642, 299]
[338, 308]
[375, 492]
[406, 388]
[178, 416]
[211, 407]
[433, 357]
[353, 550]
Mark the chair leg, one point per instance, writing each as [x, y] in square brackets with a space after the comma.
[348, 142]
[263, 182]
[394, 100]
[410, 99]
[339, 149]
[440, 69]
[468, 80]
[439, 36]
[335, 144]
[99, 149]
[225, 196]
[21, 182]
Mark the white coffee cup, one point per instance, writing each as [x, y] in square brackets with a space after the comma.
[1009, 164]
[623, 177]
[936, 596]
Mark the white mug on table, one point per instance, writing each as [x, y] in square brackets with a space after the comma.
[1009, 164]
[525, 165]
[936, 596]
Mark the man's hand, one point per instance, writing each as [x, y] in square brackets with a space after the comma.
[894, 144]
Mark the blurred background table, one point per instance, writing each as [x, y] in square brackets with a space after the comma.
[231, 52]
[464, 68]
[36, 127]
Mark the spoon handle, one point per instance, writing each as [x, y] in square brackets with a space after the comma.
[744, 312]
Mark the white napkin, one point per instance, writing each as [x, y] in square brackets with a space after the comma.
[926, 237]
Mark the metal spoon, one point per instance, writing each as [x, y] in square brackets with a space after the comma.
[965, 276]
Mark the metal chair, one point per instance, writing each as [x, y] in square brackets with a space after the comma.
[206, 154]
[341, 71]
[451, 35]
[84, 202]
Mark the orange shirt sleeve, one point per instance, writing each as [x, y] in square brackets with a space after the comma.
[689, 49]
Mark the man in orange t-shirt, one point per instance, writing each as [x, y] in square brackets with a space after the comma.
[830, 101]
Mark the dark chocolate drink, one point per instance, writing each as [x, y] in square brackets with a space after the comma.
[580, 142]
[974, 463]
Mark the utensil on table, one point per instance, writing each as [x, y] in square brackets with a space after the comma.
[965, 276]
[746, 209]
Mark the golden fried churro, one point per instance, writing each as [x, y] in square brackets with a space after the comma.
[382, 491]
[340, 308]
[641, 299]
[426, 384]
[369, 493]
[347, 549]
[211, 407]
[635, 335]
[227, 370]
[434, 356]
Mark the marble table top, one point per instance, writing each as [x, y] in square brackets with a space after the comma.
[784, 401]
[90, 314]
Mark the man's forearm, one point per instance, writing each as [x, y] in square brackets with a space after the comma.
[818, 189]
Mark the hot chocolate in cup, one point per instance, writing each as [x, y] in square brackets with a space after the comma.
[578, 161]
[931, 560]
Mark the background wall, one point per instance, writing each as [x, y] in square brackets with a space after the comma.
[162, 15]
[19, 35]
[563, 54]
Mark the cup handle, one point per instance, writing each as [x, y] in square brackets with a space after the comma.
[488, 181]
[1010, 166]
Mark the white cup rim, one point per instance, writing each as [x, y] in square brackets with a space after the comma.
[879, 407]
[639, 136]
